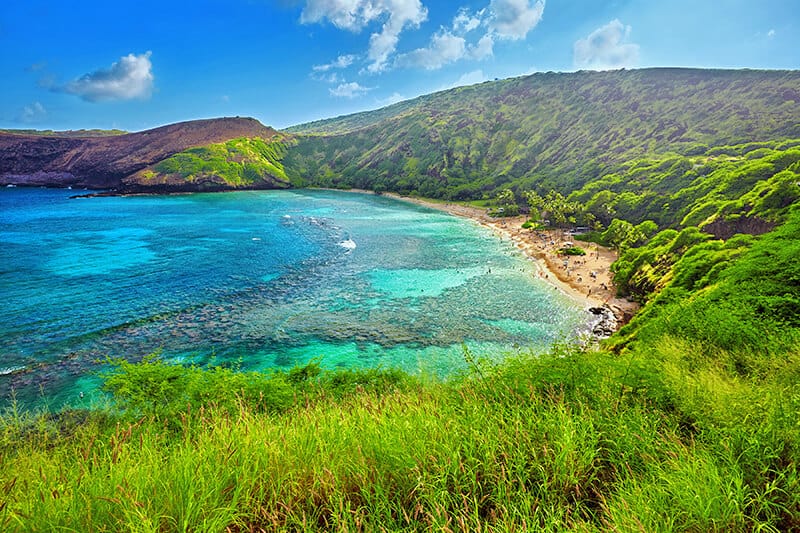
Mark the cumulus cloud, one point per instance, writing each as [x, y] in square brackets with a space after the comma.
[483, 49]
[350, 15]
[449, 45]
[342, 61]
[464, 21]
[606, 48]
[470, 78]
[391, 99]
[513, 19]
[444, 48]
[32, 113]
[354, 15]
[349, 90]
[130, 77]
[771, 34]
[471, 35]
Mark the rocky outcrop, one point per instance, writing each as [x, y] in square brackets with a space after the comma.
[604, 322]
[104, 162]
[725, 229]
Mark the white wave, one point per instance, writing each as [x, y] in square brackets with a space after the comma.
[350, 244]
[10, 370]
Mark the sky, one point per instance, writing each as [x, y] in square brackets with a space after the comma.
[84, 64]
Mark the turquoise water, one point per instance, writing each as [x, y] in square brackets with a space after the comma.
[257, 279]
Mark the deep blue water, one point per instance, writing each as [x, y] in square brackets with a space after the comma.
[257, 279]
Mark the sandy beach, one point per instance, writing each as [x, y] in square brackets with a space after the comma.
[587, 279]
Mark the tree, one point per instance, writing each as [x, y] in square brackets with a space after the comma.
[646, 229]
[535, 205]
[620, 234]
[507, 202]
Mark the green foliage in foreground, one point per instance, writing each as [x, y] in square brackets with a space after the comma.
[243, 162]
[572, 440]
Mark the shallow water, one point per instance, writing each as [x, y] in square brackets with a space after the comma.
[258, 279]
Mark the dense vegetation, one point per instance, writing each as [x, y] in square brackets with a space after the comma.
[685, 420]
[237, 163]
[725, 184]
[544, 131]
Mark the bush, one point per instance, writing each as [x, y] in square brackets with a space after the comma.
[156, 388]
[573, 250]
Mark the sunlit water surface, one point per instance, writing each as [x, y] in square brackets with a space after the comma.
[260, 280]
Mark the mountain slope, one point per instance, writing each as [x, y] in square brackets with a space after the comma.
[103, 162]
[547, 130]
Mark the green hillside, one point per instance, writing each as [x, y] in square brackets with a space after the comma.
[547, 130]
[355, 121]
[243, 163]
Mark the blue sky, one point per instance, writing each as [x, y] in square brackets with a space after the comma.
[137, 65]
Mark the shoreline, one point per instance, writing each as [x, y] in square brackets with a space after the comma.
[585, 279]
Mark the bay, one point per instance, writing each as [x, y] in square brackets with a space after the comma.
[257, 280]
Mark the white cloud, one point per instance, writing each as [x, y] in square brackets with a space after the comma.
[444, 48]
[130, 77]
[349, 90]
[342, 61]
[771, 34]
[468, 78]
[391, 99]
[465, 22]
[501, 19]
[606, 48]
[450, 45]
[350, 15]
[327, 77]
[471, 78]
[383, 44]
[483, 49]
[354, 15]
[32, 113]
[513, 19]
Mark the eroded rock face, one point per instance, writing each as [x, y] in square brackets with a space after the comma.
[104, 162]
[606, 323]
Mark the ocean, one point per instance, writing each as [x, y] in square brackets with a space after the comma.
[256, 280]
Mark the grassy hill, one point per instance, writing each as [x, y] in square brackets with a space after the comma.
[243, 163]
[547, 130]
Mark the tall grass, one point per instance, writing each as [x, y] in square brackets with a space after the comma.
[570, 441]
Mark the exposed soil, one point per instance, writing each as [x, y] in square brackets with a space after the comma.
[103, 162]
